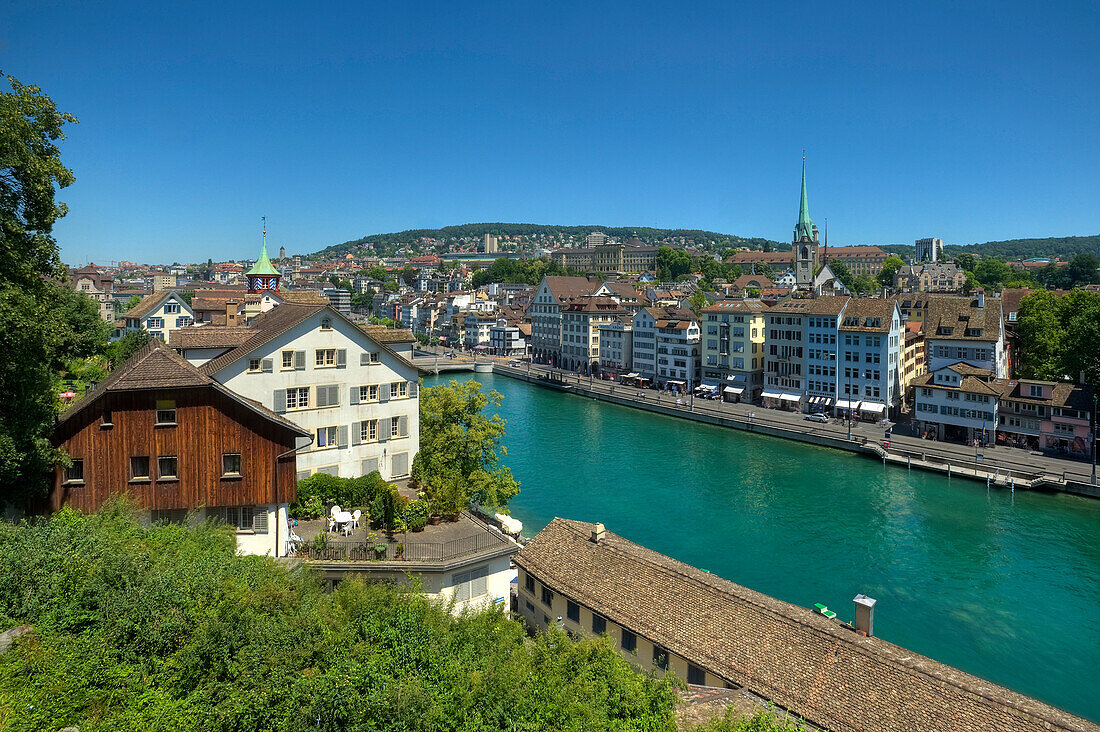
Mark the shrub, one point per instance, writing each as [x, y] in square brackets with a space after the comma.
[416, 515]
[321, 488]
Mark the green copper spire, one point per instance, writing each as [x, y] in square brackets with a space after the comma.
[805, 227]
[263, 264]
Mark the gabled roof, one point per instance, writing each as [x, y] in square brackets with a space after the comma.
[209, 336]
[827, 305]
[818, 668]
[950, 318]
[866, 310]
[151, 303]
[156, 366]
[565, 288]
[382, 334]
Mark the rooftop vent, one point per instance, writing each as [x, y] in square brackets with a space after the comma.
[598, 533]
[865, 614]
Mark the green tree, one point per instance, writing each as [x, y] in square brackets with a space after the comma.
[43, 323]
[121, 350]
[1082, 270]
[965, 262]
[992, 273]
[672, 264]
[699, 301]
[460, 447]
[378, 273]
[889, 269]
[1040, 333]
[1080, 311]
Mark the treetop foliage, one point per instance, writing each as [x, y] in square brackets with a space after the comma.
[168, 628]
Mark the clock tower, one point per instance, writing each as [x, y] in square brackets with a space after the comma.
[263, 277]
[805, 241]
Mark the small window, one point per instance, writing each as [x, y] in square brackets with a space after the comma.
[374, 357]
[166, 411]
[288, 359]
[326, 324]
[599, 624]
[324, 357]
[139, 468]
[231, 464]
[696, 675]
[629, 641]
[326, 437]
[368, 432]
[528, 605]
[573, 611]
[660, 658]
[166, 468]
[547, 597]
[395, 427]
[255, 365]
[529, 583]
[368, 393]
[106, 419]
[75, 472]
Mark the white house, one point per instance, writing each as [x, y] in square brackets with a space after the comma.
[157, 313]
[957, 402]
[668, 346]
[354, 394]
[787, 279]
[617, 347]
[869, 346]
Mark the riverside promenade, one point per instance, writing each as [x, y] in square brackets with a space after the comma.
[1002, 466]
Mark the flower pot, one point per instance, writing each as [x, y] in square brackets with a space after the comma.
[452, 517]
[434, 520]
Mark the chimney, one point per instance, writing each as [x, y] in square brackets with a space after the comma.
[865, 614]
[598, 533]
[231, 313]
[981, 298]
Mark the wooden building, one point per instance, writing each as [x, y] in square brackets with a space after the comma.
[180, 443]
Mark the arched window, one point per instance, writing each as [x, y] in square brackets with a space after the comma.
[805, 253]
[326, 323]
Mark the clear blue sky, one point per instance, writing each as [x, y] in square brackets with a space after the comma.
[969, 121]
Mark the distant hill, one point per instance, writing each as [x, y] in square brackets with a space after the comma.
[1064, 247]
[475, 231]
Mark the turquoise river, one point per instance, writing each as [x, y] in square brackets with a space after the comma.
[1002, 585]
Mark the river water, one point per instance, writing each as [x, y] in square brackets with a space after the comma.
[1003, 585]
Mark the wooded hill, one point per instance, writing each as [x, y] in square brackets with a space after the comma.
[1063, 247]
[697, 237]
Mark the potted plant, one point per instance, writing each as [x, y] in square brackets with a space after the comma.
[380, 551]
[399, 550]
[416, 515]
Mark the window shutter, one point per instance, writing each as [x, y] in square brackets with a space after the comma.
[403, 426]
[259, 520]
[370, 465]
[383, 392]
[299, 360]
[342, 436]
[383, 429]
[414, 389]
[364, 358]
[341, 357]
[266, 365]
[303, 474]
[356, 432]
[280, 400]
[334, 394]
[354, 395]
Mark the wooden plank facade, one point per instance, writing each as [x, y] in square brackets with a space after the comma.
[120, 425]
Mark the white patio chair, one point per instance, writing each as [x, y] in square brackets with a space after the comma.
[355, 518]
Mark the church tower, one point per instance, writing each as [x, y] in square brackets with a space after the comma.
[263, 277]
[804, 244]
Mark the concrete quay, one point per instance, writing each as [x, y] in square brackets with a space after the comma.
[1002, 466]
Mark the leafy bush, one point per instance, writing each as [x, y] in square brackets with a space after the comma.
[416, 515]
[321, 488]
[169, 629]
[765, 720]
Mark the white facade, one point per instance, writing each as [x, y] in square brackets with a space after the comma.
[953, 399]
[617, 347]
[361, 401]
[644, 328]
[506, 340]
[980, 354]
[171, 313]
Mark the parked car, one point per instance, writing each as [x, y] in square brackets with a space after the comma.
[819, 417]
[515, 362]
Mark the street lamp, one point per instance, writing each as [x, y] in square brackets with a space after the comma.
[849, 412]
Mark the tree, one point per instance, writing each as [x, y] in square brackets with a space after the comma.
[1080, 311]
[460, 448]
[992, 273]
[378, 273]
[1040, 334]
[699, 301]
[121, 350]
[889, 269]
[965, 262]
[1082, 270]
[672, 263]
[43, 323]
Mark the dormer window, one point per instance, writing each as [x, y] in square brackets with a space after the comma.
[326, 323]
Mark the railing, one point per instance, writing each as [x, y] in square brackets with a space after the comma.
[414, 551]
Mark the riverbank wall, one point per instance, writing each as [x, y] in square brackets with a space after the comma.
[927, 458]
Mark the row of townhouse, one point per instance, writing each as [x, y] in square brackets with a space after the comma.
[550, 300]
[962, 402]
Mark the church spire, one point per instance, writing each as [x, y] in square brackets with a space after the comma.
[263, 276]
[805, 227]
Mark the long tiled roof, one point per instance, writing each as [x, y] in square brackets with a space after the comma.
[156, 366]
[148, 304]
[828, 305]
[265, 327]
[566, 288]
[818, 668]
[209, 336]
[863, 308]
[949, 318]
[382, 334]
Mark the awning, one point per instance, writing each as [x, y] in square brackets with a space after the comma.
[845, 404]
[735, 377]
[769, 394]
[814, 399]
[828, 400]
[872, 407]
[735, 389]
[632, 375]
[676, 383]
[790, 397]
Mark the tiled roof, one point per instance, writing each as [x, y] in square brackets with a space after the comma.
[863, 308]
[566, 288]
[856, 251]
[265, 326]
[156, 366]
[594, 304]
[950, 318]
[148, 304]
[382, 334]
[751, 280]
[209, 336]
[724, 306]
[671, 313]
[303, 297]
[818, 668]
[828, 305]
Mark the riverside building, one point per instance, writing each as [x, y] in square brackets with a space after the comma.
[870, 347]
[733, 348]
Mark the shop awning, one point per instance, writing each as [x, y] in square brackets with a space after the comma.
[632, 375]
[769, 394]
[791, 397]
[735, 377]
[872, 407]
[845, 404]
[828, 400]
[675, 383]
[735, 389]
